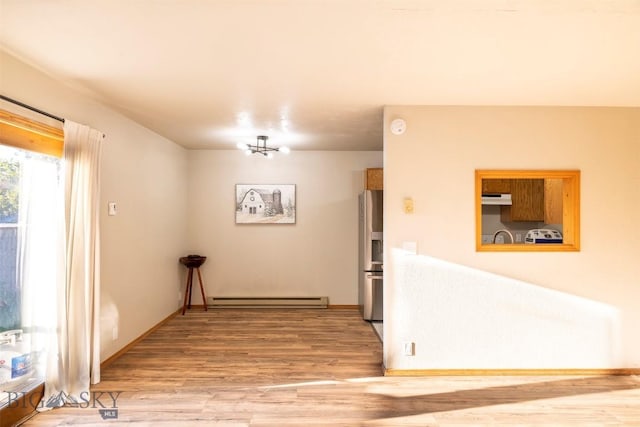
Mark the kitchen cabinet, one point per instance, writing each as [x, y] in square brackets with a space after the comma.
[527, 198]
[536, 200]
[496, 186]
[553, 189]
[373, 179]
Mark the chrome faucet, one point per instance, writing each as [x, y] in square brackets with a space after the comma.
[501, 231]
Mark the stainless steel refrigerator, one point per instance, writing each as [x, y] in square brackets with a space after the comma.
[370, 284]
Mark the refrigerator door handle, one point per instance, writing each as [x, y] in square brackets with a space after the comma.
[374, 277]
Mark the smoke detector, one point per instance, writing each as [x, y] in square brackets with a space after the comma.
[398, 126]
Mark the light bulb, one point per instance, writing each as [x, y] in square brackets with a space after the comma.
[242, 146]
[269, 155]
[284, 150]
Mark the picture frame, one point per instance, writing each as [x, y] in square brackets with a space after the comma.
[265, 203]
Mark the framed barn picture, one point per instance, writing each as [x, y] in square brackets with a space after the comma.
[265, 204]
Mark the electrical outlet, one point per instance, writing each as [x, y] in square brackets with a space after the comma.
[518, 237]
[408, 348]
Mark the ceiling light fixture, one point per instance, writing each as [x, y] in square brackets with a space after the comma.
[262, 148]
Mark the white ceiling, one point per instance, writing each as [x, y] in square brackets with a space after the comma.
[314, 74]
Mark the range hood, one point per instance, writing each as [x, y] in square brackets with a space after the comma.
[496, 199]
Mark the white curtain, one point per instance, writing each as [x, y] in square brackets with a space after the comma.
[39, 261]
[77, 364]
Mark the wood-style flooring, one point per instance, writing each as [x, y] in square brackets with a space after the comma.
[312, 367]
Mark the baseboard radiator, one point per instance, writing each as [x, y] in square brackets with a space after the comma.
[269, 302]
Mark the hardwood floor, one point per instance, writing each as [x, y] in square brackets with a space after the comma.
[298, 367]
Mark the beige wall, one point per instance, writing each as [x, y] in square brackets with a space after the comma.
[172, 202]
[315, 257]
[434, 163]
[146, 175]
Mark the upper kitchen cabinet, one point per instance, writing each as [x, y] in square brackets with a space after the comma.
[373, 179]
[553, 200]
[496, 186]
[531, 198]
[527, 201]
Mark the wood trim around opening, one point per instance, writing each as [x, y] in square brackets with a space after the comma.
[570, 209]
[20, 132]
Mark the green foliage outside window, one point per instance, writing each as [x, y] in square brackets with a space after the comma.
[9, 290]
[9, 178]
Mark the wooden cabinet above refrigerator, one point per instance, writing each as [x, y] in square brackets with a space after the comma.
[373, 179]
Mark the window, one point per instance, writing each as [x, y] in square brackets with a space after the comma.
[30, 207]
[29, 242]
[9, 292]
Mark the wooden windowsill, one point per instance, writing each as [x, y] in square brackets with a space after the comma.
[22, 405]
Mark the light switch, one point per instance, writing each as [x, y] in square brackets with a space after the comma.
[408, 205]
[113, 209]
